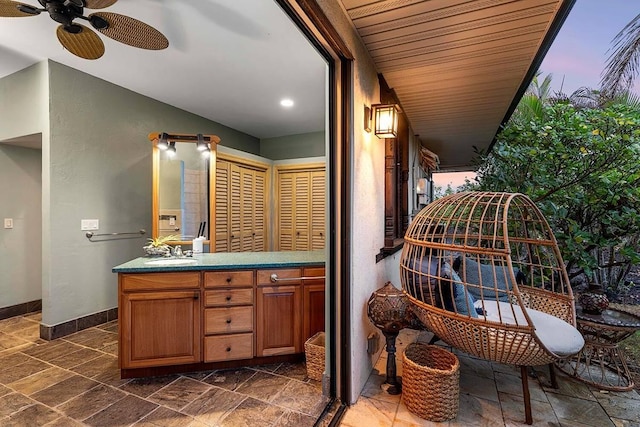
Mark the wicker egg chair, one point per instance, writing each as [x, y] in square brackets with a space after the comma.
[484, 274]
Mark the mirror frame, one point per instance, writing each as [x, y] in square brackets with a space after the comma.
[154, 137]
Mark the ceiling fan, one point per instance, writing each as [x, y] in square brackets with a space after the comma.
[81, 40]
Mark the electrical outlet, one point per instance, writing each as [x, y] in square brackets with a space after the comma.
[8, 223]
[89, 224]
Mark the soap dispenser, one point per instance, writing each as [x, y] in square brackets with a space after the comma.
[198, 245]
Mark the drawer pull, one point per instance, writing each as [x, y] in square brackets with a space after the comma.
[274, 278]
[228, 321]
[228, 348]
[196, 295]
[228, 279]
[228, 297]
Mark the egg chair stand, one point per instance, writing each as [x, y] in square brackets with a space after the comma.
[484, 273]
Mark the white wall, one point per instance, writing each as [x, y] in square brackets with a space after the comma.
[24, 105]
[24, 110]
[20, 246]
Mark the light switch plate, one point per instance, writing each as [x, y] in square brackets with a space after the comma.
[89, 224]
[8, 223]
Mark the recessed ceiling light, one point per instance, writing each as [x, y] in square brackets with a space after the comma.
[286, 102]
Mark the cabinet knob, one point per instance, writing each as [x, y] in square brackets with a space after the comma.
[196, 295]
[228, 297]
[228, 279]
[228, 348]
[228, 321]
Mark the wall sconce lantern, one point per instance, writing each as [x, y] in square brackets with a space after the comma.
[385, 119]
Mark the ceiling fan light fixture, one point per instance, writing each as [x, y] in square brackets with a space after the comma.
[25, 8]
[98, 22]
[73, 28]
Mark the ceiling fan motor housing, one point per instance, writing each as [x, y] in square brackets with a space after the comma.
[62, 11]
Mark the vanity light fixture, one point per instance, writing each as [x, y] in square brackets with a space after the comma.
[163, 141]
[172, 149]
[167, 141]
[201, 144]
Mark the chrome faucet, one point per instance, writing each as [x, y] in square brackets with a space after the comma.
[177, 251]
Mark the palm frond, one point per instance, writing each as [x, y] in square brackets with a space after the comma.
[623, 64]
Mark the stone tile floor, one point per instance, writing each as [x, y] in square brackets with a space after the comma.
[491, 395]
[75, 381]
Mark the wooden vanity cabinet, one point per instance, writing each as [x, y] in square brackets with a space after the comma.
[279, 312]
[159, 319]
[313, 302]
[228, 315]
[222, 318]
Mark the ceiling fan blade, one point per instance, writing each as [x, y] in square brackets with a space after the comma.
[98, 4]
[9, 9]
[130, 31]
[85, 44]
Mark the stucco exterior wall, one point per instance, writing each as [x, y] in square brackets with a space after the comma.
[367, 232]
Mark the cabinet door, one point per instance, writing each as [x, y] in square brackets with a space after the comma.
[278, 323]
[160, 328]
[313, 302]
[313, 310]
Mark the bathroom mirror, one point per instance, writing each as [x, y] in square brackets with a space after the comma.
[182, 179]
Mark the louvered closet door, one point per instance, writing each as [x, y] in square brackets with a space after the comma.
[318, 197]
[235, 208]
[246, 209]
[302, 211]
[259, 211]
[222, 207]
[285, 210]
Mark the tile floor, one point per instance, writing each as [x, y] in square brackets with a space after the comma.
[491, 395]
[75, 381]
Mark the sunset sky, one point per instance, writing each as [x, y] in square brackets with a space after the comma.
[578, 54]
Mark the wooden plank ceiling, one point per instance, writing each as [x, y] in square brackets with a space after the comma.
[455, 65]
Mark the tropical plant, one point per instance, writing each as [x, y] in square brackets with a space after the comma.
[580, 167]
[623, 64]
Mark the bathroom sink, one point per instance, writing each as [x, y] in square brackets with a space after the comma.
[171, 261]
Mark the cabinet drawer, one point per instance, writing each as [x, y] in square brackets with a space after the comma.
[228, 347]
[289, 276]
[228, 297]
[159, 281]
[228, 278]
[228, 320]
[316, 272]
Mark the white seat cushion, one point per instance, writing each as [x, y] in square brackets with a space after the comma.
[557, 335]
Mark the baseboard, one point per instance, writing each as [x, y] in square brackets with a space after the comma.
[20, 309]
[67, 328]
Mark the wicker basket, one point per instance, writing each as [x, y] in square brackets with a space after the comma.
[314, 353]
[430, 382]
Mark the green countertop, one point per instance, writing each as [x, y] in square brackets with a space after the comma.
[227, 260]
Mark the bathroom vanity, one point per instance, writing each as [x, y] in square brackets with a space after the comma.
[217, 310]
